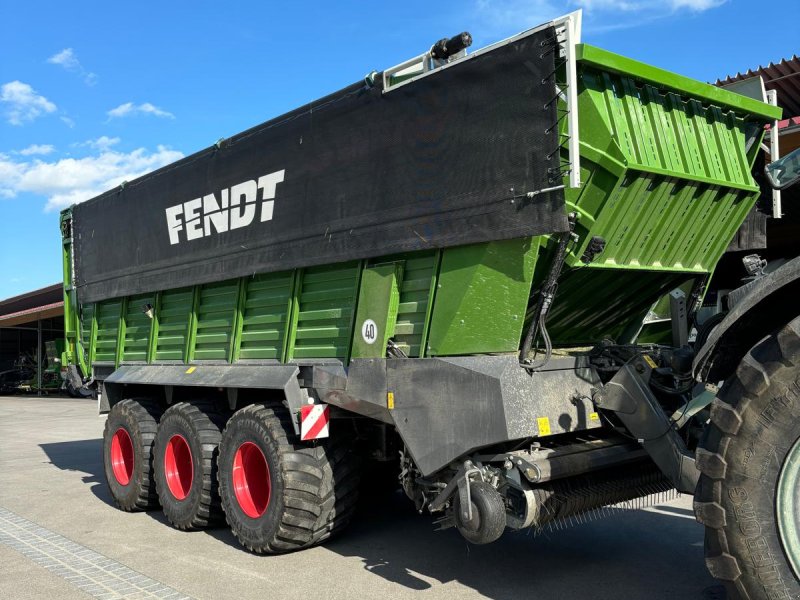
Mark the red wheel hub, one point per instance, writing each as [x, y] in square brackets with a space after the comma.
[178, 466]
[251, 483]
[122, 459]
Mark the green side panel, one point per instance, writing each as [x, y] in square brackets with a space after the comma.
[595, 304]
[606, 60]
[173, 323]
[105, 347]
[216, 313]
[666, 180]
[87, 316]
[481, 297]
[265, 316]
[326, 301]
[378, 299]
[137, 329]
[417, 288]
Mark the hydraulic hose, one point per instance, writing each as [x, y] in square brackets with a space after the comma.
[546, 296]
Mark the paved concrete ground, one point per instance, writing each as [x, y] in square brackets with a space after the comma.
[51, 481]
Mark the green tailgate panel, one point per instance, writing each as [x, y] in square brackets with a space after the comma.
[378, 299]
[325, 303]
[216, 315]
[174, 315]
[137, 329]
[265, 316]
[481, 297]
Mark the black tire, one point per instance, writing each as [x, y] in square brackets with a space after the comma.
[704, 330]
[194, 428]
[313, 487]
[754, 422]
[488, 520]
[129, 469]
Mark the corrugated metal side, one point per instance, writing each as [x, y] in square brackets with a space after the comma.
[216, 316]
[264, 316]
[105, 348]
[666, 179]
[594, 304]
[666, 131]
[416, 291]
[173, 323]
[137, 328]
[664, 223]
[325, 307]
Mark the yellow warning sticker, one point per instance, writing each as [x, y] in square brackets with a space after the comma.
[544, 426]
[650, 361]
[190, 370]
[594, 417]
[390, 400]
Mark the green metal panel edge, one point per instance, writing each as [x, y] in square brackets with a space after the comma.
[423, 342]
[152, 344]
[238, 321]
[120, 353]
[610, 61]
[191, 334]
[293, 315]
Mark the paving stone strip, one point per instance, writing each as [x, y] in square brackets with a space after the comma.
[91, 572]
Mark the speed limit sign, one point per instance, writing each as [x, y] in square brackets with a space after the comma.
[369, 331]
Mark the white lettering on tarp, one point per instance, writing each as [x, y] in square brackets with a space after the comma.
[233, 208]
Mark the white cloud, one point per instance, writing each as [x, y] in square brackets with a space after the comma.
[37, 149]
[130, 109]
[22, 103]
[68, 122]
[102, 143]
[69, 60]
[67, 181]
[696, 5]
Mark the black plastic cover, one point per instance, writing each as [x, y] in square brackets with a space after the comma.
[442, 161]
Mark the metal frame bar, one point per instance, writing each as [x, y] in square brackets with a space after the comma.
[774, 154]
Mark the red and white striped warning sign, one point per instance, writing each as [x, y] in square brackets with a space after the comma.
[314, 421]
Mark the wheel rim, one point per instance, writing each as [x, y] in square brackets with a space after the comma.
[251, 480]
[122, 458]
[788, 507]
[178, 467]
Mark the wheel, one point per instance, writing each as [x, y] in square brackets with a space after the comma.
[704, 330]
[488, 520]
[128, 453]
[279, 494]
[185, 464]
[81, 392]
[748, 496]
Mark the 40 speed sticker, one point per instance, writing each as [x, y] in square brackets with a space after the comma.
[369, 331]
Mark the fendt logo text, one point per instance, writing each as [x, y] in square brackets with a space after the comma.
[234, 208]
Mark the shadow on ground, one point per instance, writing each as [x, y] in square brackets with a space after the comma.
[614, 558]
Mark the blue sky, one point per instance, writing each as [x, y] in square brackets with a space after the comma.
[94, 93]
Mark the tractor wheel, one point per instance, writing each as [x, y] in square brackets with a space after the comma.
[279, 494]
[128, 453]
[488, 520]
[186, 464]
[748, 496]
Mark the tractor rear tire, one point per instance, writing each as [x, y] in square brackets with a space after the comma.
[185, 464]
[128, 453]
[279, 494]
[747, 496]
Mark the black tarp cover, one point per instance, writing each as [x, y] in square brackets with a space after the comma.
[442, 161]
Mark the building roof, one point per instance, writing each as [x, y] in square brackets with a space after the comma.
[38, 304]
[783, 76]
